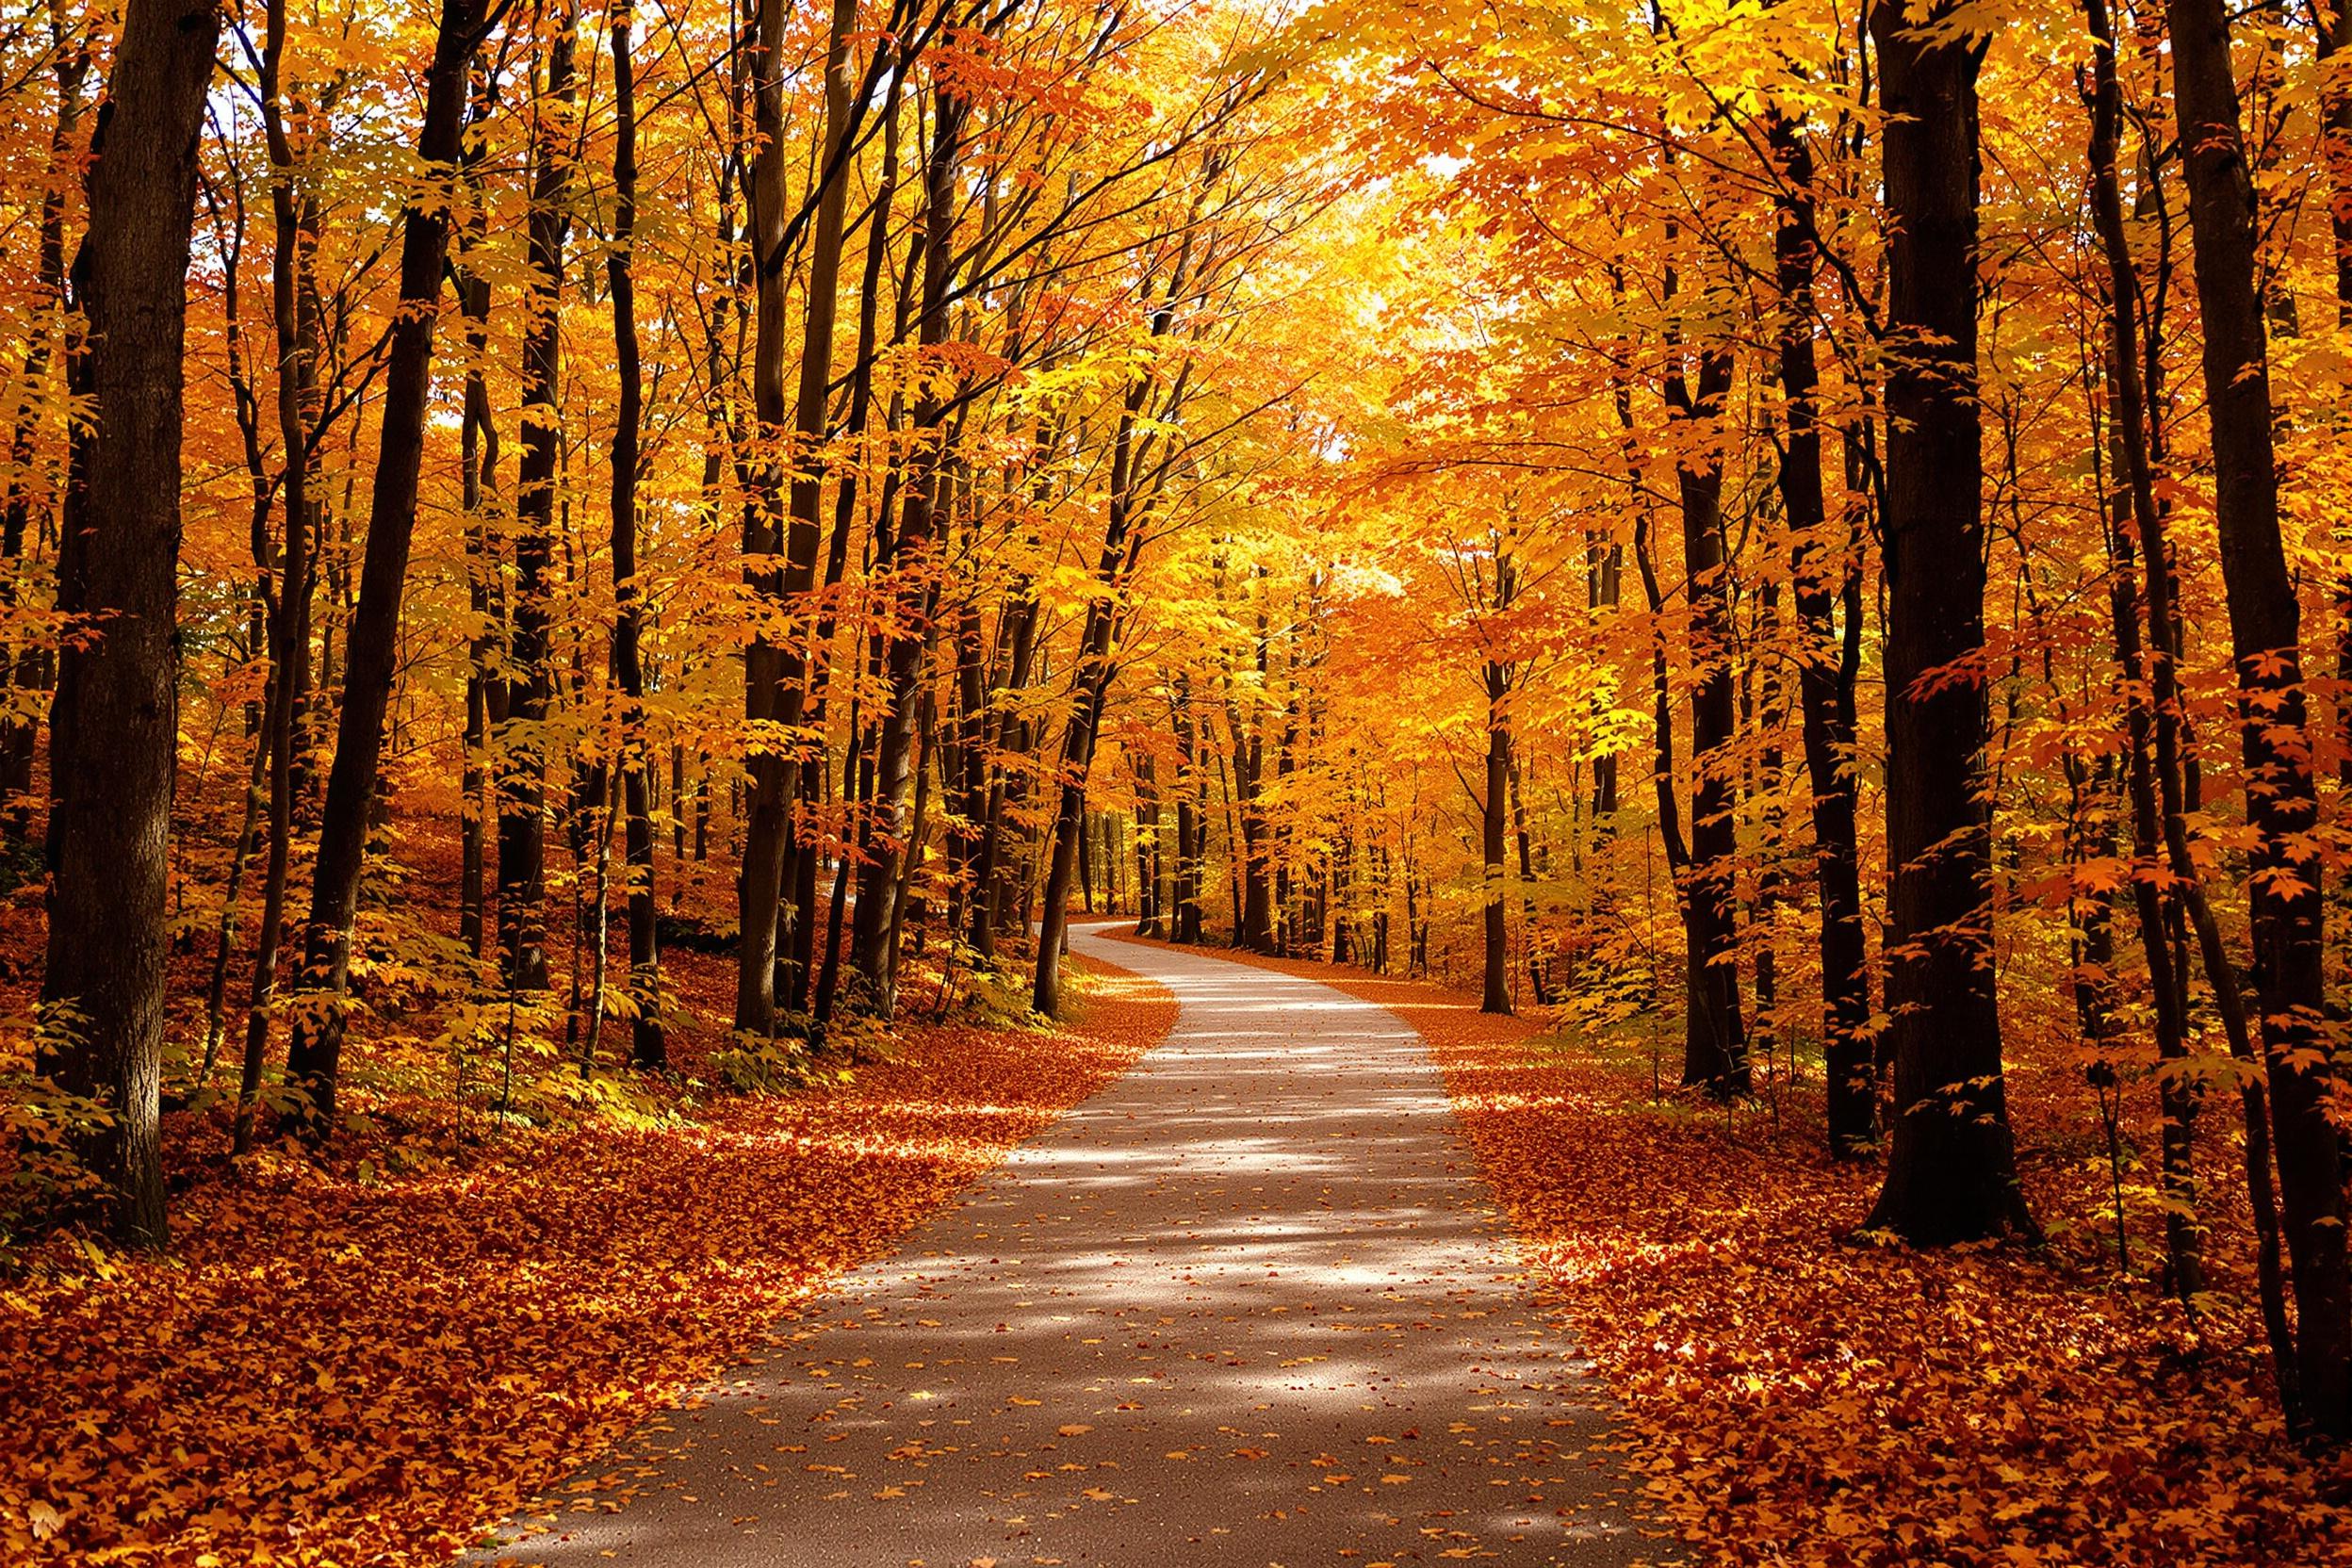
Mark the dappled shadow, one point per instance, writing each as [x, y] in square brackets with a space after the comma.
[1245, 1306]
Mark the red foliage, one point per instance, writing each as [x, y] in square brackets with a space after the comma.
[1795, 1396]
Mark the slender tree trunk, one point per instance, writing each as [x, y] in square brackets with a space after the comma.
[1539, 969]
[1017, 627]
[805, 964]
[530, 685]
[1821, 570]
[909, 567]
[1715, 1046]
[289, 623]
[1496, 996]
[2265, 628]
[115, 726]
[25, 669]
[478, 462]
[372, 643]
[1091, 679]
[1951, 1168]
[2130, 509]
[648, 1048]
[775, 673]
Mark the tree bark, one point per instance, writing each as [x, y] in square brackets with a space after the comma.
[1951, 1169]
[1821, 572]
[1495, 995]
[774, 670]
[2265, 630]
[25, 669]
[1090, 687]
[910, 570]
[115, 726]
[314, 1059]
[522, 790]
[1715, 1046]
[648, 1048]
[289, 622]
[478, 464]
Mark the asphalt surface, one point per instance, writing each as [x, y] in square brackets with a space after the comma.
[1248, 1306]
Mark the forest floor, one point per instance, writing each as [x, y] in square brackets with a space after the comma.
[1796, 1395]
[372, 1358]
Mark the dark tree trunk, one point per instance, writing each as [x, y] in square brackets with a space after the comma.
[1191, 819]
[1017, 627]
[372, 645]
[648, 1048]
[1495, 996]
[290, 621]
[1951, 1169]
[1823, 573]
[1150, 919]
[115, 727]
[775, 673]
[1090, 686]
[871, 950]
[1257, 884]
[522, 790]
[2151, 720]
[1715, 1046]
[2265, 630]
[477, 464]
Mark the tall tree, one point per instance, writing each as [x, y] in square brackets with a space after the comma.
[1715, 1040]
[313, 1058]
[295, 221]
[114, 729]
[1951, 1168]
[647, 1049]
[2265, 635]
[911, 589]
[1825, 576]
[781, 546]
[531, 680]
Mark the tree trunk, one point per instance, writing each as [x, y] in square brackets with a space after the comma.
[1951, 1169]
[26, 668]
[114, 732]
[918, 523]
[648, 1048]
[1495, 997]
[478, 470]
[775, 673]
[1823, 571]
[289, 623]
[2128, 509]
[1715, 1047]
[1090, 684]
[522, 790]
[371, 647]
[2265, 628]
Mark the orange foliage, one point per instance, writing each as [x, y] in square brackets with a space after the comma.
[338, 1365]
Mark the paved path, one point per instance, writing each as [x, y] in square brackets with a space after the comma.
[1245, 1307]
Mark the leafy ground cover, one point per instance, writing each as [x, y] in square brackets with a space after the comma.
[1794, 1393]
[361, 1362]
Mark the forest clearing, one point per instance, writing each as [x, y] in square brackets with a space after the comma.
[1394, 780]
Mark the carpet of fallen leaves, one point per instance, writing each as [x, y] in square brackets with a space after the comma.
[338, 1367]
[1793, 1395]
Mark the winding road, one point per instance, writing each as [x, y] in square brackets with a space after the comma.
[1247, 1306]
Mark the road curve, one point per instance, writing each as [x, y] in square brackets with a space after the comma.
[1247, 1306]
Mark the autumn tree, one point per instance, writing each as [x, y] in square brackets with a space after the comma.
[115, 724]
